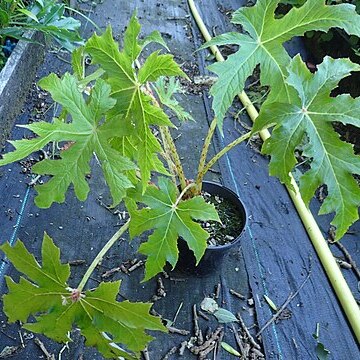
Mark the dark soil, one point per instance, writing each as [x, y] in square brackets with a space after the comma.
[231, 224]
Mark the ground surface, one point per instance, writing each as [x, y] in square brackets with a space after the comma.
[274, 255]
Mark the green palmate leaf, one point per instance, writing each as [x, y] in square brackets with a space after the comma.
[87, 133]
[114, 328]
[170, 219]
[308, 118]
[262, 44]
[127, 87]
[166, 91]
[154, 37]
[131, 46]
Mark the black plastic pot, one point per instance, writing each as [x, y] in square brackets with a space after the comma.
[213, 254]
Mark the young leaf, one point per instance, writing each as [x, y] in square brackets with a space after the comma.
[209, 305]
[127, 88]
[154, 37]
[44, 293]
[166, 91]
[271, 303]
[230, 349]
[170, 219]
[309, 117]
[262, 44]
[322, 353]
[88, 134]
[224, 316]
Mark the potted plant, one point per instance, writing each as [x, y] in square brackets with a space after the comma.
[113, 113]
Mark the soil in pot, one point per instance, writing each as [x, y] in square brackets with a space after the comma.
[223, 237]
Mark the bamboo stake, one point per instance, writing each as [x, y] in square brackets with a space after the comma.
[327, 259]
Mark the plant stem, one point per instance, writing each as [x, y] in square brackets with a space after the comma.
[166, 155]
[172, 157]
[85, 17]
[169, 145]
[101, 254]
[186, 188]
[220, 154]
[204, 152]
[175, 157]
[327, 259]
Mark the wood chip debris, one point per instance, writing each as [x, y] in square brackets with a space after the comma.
[171, 352]
[8, 351]
[205, 80]
[42, 347]
[204, 349]
[126, 267]
[77, 262]
[237, 294]
[160, 291]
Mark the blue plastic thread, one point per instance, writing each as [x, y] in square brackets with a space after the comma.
[4, 264]
[254, 248]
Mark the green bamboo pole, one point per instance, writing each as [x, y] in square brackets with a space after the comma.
[326, 257]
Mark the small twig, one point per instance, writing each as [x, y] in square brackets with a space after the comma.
[247, 348]
[172, 351]
[177, 312]
[257, 352]
[110, 272]
[124, 269]
[76, 262]
[145, 354]
[247, 332]
[42, 347]
[63, 59]
[35, 180]
[237, 294]
[217, 290]
[136, 266]
[154, 312]
[174, 330]
[182, 348]
[21, 339]
[66, 346]
[238, 340]
[198, 332]
[208, 345]
[349, 259]
[344, 264]
[214, 171]
[203, 315]
[217, 351]
[286, 303]
[161, 288]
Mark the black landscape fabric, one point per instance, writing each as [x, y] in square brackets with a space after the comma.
[275, 255]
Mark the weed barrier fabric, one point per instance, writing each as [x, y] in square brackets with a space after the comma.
[275, 252]
[278, 253]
